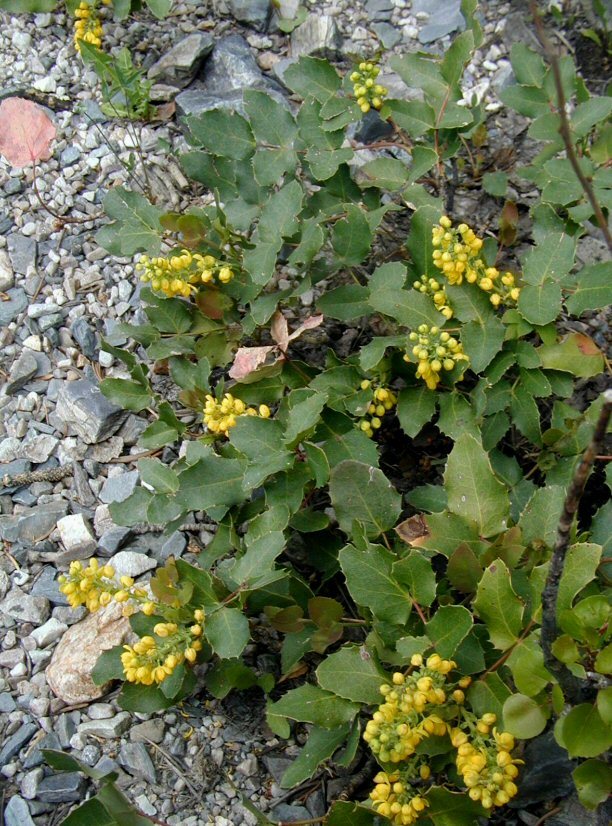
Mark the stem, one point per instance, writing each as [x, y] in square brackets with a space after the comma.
[564, 129]
[570, 685]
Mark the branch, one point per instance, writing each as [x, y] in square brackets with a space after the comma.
[570, 685]
[52, 475]
[564, 129]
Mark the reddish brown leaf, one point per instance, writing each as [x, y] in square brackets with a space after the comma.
[25, 132]
[508, 224]
[279, 330]
[413, 529]
[308, 324]
[248, 359]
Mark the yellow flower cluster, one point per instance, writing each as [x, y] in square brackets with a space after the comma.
[219, 417]
[457, 255]
[435, 351]
[87, 27]
[153, 658]
[93, 586]
[183, 273]
[486, 764]
[429, 286]
[383, 401]
[394, 799]
[368, 92]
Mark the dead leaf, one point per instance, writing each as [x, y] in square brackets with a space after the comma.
[25, 132]
[165, 111]
[248, 359]
[508, 224]
[279, 330]
[308, 324]
[413, 529]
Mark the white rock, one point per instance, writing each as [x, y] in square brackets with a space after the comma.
[131, 563]
[76, 537]
[7, 277]
[49, 632]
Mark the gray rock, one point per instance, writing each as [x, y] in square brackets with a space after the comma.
[90, 755]
[152, 730]
[118, 488]
[379, 10]
[131, 563]
[444, 17]
[70, 155]
[109, 728]
[17, 303]
[517, 30]
[13, 744]
[173, 546]
[388, 35]
[81, 488]
[23, 369]
[76, 537]
[7, 278]
[38, 447]
[85, 337]
[135, 758]
[25, 607]
[231, 66]
[317, 36]
[111, 540]
[49, 632]
[255, 13]
[7, 704]
[180, 65]
[35, 758]
[17, 813]
[371, 128]
[573, 813]
[49, 322]
[66, 727]
[13, 186]
[22, 252]
[87, 412]
[61, 788]
[46, 586]
[547, 773]
[195, 102]
[93, 113]
[288, 813]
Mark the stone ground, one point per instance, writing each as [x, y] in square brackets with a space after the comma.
[61, 293]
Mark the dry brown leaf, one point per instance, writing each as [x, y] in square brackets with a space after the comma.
[413, 529]
[308, 324]
[248, 359]
[25, 132]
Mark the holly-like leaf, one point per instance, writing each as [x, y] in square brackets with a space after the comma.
[523, 717]
[26, 132]
[352, 673]
[227, 631]
[363, 493]
[310, 704]
[371, 583]
[498, 605]
[320, 746]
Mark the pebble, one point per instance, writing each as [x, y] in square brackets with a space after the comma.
[108, 727]
[118, 487]
[76, 537]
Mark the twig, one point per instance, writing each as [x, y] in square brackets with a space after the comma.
[564, 129]
[195, 790]
[570, 685]
[51, 475]
[187, 526]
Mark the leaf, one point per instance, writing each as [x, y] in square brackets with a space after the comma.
[415, 571]
[352, 673]
[550, 260]
[420, 242]
[363, 493]
[495, 183]
[159, 476]
[313, 77]
[540, 304]
[540, 518]
[413, 116]
[408, 307]
[321, 745]
[415, 407]
[25, 132]
[464, 571]
[448, 808]
[588, 114]
[449, 626]
[226, 675]
[270, 121]
[385, 173]
[159, 8]
[526, 416]
[351, 238]
[212, 482]
[498, 606]
[528, 66]
[371, 583]
[145, 699]
[127, 394]
[593, 289]
[579, 569]
[212, 128]
[310, 704]
[227, 631]
[528, 100]
[304, 415]
[489, 695]
[456, 56]
[582, 732]
[261, 441]
[136, 224]
[523, 717]
[593, 780]
[108, 666]
[457, 415]
[249, 359]
[339, 439]
[350, 814]
[423, 159]
[345, 303]
[474, 492]
[420, 72]
[91, 811]
[576, 354]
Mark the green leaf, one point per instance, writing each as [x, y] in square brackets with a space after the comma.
[528, 66]
[339, 439]
[310, 704]
[363, 493]
[345, 303]
[540, 304]
[227, 631]
[212, 128]
[170, 315]
[415, 407]
[495, 183]
[146, 699]
[448, 808]
[92, 811]
[579, 569]
[371, 583]
[160, 8]
[133, 509]
[261, 441]
[593, 289]
[474, 492]
[108, 666]
[448, 628]
[456, 56]
[350, 814]
[593, 780]
[415, 571]
[352, 673]
[351, 237]
[320, 746]
[577, 354]
[457, 415]
[498, 606]
[423, 159]
[385, 173]
[135, 226]
[420, 243]
[489, 695]
[270, 121]
[159, 476]
[127, 394]
[212, 483]
[408, 307]
[526, 416]
[550, 260]
[526, 662]
[527, 100]
[540, 518]
[304, 415]
[589, 114]
[582, 732]
[413, 116]
[464, 571]
[117, 804]
[523, 717]
[421, 72]
[226, 675]
[313, 77]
